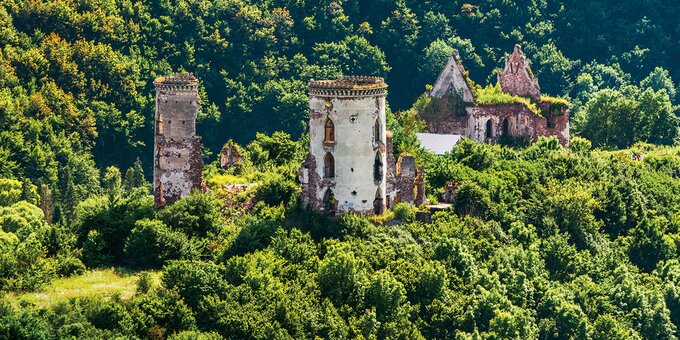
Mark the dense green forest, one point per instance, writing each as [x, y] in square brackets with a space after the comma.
[542, 242]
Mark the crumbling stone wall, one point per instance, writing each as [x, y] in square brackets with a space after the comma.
[521, 122]
[353, 105]
[230, 155]
[517, 77]
[513, 119]
[178, 158]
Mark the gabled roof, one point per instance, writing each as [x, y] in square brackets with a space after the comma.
[438, 144]
[452, 78]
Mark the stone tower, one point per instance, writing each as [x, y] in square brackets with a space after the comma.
[178, 160]
[346, 166]
[517, 77]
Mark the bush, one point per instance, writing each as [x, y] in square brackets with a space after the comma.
[151, 244]
[144, 283]
[69, 265]
[275, 190]
[404, 211]
[195, 215]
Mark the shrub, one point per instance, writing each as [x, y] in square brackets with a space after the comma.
[93, 251]
[404, 211]
[275, 189]
[195, 215]
[152, 243]
[68, 265]
[144, 283]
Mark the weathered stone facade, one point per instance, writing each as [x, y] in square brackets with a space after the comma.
[350, 166]
[178, 159]
[230, 155]
[405, 180]
[345, 170]
[491, 122]
[517, 77]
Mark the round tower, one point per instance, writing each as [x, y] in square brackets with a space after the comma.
[346, 167]
[178, 160]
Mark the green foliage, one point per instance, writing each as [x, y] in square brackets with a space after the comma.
[618, 119]
[151, 244]
[559, 243]
[196, 215]
[404, 211]
[493, 95]
[275, 189]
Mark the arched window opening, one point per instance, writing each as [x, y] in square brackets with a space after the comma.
[378, 168]
[329, 202]
[506, 127]
[377, 131]
[549, 120]
[378, 206]
[329, 137]
[329, 166]
[489, 129]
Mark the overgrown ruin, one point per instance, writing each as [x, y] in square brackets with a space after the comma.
[350, 166]
[178, 159]
[518, 111]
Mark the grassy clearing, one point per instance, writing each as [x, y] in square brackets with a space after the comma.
[102, 283]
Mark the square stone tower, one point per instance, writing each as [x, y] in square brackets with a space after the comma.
[178, 159]
[346, 166]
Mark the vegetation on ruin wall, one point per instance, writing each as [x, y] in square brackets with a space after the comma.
[493, 95]
[556, 103]
[541, 242]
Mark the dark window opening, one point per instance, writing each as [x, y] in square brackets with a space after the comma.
[329, 166]
[378, 203]
[506, 127]
[329, 202]
[378, 168]
[377, 136]
[489, 129]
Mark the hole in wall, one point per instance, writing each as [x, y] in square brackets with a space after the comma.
[354, 192]
[352, 169]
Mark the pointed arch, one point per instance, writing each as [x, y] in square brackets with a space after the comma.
[489, 129]
[377, 131]
[506, 127]
[329, 131]
[378, 168]
[329, 165]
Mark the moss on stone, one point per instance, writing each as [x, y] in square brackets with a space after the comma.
[493, 95]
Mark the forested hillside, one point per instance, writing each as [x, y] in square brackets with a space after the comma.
[541, 242]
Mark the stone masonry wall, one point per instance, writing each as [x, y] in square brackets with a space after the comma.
[517, 77]
[178, 158]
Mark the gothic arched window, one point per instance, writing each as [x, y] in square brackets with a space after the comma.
[489, 129]
[329, 166]
[329, 128]
[377, 135]
[378, 168]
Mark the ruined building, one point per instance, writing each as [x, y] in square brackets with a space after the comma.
[350, 166]
[457, 109]
[178, 160]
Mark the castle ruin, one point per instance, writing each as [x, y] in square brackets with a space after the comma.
[350, 166]
[458, 112]
[178, 159]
